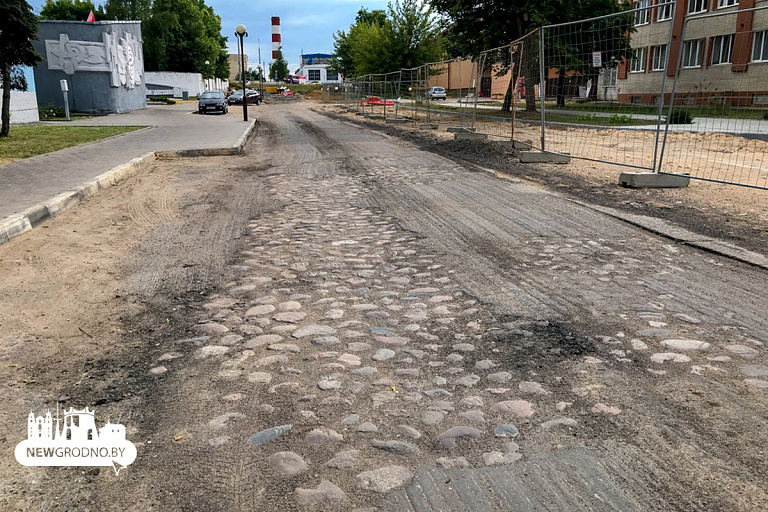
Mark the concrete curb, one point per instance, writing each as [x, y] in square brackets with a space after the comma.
[19, 223]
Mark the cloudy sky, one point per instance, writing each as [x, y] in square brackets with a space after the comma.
[306, 24]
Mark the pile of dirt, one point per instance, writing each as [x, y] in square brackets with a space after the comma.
[315, 95]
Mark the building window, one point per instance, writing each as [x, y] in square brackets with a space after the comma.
[331, 76]
[760, 47]
[664, 12]
[641, 16]
[637, 64]
[313, 75]
[726, 3]
[722, 49]
[696, 6]
[659, 57]
[692, 52]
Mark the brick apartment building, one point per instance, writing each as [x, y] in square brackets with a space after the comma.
[724, 57]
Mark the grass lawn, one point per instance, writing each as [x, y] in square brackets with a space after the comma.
[29, 140]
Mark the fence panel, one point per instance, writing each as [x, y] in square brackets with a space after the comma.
[505, 106]
[582, 65]
[717, 120]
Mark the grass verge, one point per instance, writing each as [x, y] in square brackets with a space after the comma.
[32, 140]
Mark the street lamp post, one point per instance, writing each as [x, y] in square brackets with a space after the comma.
[208, 74]
[241, 33]
[261, 81]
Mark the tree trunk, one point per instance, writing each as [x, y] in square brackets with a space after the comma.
[507, 106]
[6, 115]
[561, 87]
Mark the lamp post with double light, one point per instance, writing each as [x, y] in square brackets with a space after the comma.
[241, 33]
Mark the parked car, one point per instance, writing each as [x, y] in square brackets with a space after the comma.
[254, 98]
[212, 101]
[436, 93]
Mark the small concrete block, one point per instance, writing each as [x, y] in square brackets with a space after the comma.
[459, 129]
[427, 126]
[396, 120]
[530, 157]
[469, 136]
[652, 180]
[376, 116]
[359, 114]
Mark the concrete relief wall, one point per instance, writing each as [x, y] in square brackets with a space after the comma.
[103, 63]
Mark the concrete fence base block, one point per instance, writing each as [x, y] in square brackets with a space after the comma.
[427, 126]
[376, 116]
[543, 157]
[515, 144]
[359, 114]
[652, 180]
[459, 129]
[469, 136]
[396, 120]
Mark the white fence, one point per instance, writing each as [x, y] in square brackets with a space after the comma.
[23, 107]
[171, 83]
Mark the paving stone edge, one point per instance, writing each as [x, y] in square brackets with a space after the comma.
[19, 223]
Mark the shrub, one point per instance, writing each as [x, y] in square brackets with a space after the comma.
[163, 99]
[680, 116]
[587, 117]
[619, 119]
[51, 112]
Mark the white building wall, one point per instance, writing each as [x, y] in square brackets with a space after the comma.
[191, 82]
[304, 71]
[23, 107]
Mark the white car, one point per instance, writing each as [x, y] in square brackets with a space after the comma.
[436, 93]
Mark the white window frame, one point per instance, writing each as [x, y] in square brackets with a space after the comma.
[693, 53]
[722, 49]
[701, 4]
[638, 57]
[309, 75]
[663, 65]
[664, 13]
[762, 37]
[722, 4]
[330, 76]
[642, 17]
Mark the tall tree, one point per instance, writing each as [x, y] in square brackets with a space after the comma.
[71, 10]
[124, 10]
[180, 35]
[18, 25]
[407, 35]
[279, 68]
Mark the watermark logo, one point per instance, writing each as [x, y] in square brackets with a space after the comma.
[74, 442]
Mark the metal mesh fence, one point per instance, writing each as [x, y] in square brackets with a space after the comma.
[582, 65]
[505, 106]
[717, 115]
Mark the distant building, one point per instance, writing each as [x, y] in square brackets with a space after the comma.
[314, 67]
[234, 66]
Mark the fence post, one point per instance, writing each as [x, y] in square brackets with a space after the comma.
[672, 94]
[657, 168]
[542, 87]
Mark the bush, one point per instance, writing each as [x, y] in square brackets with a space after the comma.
[163, 99]
[619, 119]
[51, 112]
[587, 117]
[679, 116]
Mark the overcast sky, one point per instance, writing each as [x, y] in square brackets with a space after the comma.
[306, 24]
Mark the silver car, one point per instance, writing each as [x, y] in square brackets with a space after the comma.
[436, 93]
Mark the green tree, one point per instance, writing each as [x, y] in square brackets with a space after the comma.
[406, 36]
[18, 25]
[180, 35]
[71, 10]
[128, 9]
[279, 68]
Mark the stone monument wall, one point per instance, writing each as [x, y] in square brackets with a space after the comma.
[103, 63]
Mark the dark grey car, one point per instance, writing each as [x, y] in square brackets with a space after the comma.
[212, 101]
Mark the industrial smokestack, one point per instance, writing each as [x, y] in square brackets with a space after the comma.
[276, 42]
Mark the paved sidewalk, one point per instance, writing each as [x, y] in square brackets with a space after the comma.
[32, 181]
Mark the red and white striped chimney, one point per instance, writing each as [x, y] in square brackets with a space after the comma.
[276, 42]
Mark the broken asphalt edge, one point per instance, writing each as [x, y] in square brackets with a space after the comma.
[19, 223]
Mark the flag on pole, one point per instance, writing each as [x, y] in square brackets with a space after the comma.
[91, 17]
